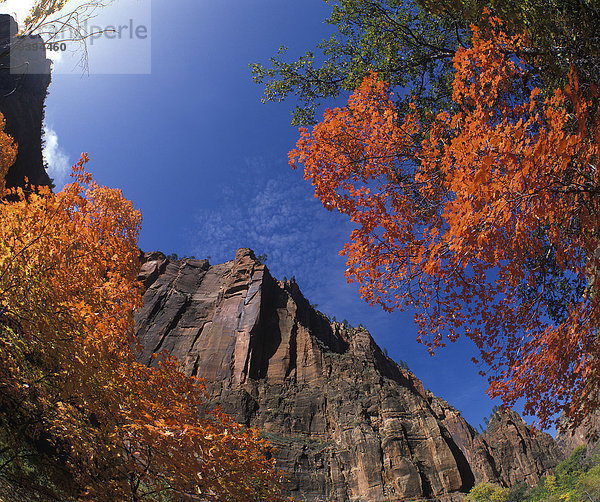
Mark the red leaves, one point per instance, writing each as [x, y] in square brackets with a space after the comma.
[489, 225]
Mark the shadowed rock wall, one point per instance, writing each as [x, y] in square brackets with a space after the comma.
[348, 423]
[24, 80]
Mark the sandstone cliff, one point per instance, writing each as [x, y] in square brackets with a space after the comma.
[348, 423]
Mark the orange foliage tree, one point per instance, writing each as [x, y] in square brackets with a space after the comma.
[80, 419]
[488, 220]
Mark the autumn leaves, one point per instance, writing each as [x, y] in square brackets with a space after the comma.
[80, 419]
[485, 217]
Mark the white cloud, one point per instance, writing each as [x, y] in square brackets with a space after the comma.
[57, 160]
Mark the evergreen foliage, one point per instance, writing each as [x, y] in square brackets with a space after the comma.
[576, 479]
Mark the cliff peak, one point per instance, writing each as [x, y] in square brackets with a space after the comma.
[349, 424]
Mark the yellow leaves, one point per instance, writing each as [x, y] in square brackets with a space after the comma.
[68, 267]
[8, 154]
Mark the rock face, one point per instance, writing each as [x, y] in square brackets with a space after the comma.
[509, 452]
[348, 423]
[24, 80]
[587, 434]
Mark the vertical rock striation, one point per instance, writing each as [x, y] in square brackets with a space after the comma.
[348, 423]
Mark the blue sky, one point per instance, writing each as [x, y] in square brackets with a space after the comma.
[191, 145]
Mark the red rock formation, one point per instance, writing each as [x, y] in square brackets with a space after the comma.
[348, 423]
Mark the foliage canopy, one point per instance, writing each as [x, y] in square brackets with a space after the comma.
[576, 479]
[410, 44]
[80, 419]
[484, 216]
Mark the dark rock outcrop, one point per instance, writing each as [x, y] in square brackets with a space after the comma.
[348, 423]
[24, 80]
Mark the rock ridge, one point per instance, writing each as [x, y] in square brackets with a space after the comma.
[349, 424]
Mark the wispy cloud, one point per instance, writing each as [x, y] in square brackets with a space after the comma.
[277, 216]
[56, 159]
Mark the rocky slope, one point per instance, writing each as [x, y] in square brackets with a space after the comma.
[348, 423]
